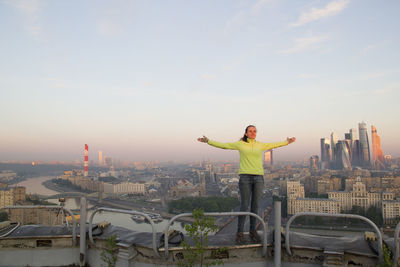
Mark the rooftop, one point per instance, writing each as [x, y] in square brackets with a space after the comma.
[38, 245]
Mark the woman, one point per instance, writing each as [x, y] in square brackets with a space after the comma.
[251, 173]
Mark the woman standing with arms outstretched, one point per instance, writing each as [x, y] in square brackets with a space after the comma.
[251, 173]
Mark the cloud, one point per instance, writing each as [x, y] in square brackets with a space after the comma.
[314, 14]
[307, 76]
[259, 5]
[242, 16]
[207, 77]
[379, 74]
[306, 43]
[108, 27]
[113, 17]
[369, 47]
[30, 9]
[237, 21]
[394, 87]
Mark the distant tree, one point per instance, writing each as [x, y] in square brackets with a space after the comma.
[315, 195]
[108, 179]
[375, 214]
[3, 216]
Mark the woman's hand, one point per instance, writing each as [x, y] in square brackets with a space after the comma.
[291, 140]
[203, 139]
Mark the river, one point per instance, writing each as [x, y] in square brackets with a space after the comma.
[35, 186]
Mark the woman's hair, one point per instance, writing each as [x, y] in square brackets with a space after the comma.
[244, 138]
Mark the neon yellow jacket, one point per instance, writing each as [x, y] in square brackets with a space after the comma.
[250, 153]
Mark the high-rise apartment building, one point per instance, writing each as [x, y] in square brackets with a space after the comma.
[364, 145]
[377, 155]
[294, 189]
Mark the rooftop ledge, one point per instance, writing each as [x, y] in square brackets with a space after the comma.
[37, 245]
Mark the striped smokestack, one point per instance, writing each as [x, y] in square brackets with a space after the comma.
[86, 162]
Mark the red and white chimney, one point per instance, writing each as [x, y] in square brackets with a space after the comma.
[86, 162]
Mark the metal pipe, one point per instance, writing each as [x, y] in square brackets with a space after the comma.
[277, 234]
[9, 232]
[239, 213]
[133, 212]
[82, 237]
[352, 216]
[396, 245]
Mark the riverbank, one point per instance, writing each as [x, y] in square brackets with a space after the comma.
[119, 203]
[61, 189]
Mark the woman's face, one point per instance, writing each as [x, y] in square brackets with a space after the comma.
[251, 132]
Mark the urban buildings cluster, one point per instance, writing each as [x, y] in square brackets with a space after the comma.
[351, 152]
[365, 192]
[10, 196]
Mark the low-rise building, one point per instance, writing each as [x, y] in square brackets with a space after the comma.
[125, 188]
[391, 211]
[43, 216]
[324, 205]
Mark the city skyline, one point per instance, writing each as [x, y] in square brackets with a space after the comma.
[142, 81]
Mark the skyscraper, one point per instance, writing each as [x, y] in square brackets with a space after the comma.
[100, 158]
[314, 163]
[364, 145]
[377, 155]
[325, 153]
[342, 155]
[334, 141]
[352, 135]
[268, 158]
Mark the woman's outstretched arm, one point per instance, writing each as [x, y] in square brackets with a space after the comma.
[233, 146]
[268, 146]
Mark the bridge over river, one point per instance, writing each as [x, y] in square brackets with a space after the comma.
[70, 195]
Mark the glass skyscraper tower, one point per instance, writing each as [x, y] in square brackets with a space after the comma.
[365, 158]
[377, 155]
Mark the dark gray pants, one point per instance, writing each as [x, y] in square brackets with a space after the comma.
[251, 187]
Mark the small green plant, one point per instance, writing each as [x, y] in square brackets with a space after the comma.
[109, 253]
[387, 261]
[199, 231]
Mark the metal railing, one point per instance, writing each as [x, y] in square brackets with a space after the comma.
[50, 207]
[125, 212]
[396, 245]
[351, 216]
[239, 213]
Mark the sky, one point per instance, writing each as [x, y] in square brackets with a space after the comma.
[141, 80]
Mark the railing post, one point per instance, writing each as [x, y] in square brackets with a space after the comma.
[396, 245]
[277, 233]
[82, 238]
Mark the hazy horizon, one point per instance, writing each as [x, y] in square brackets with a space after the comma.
[143, 80]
